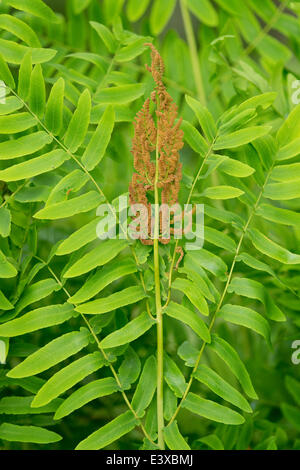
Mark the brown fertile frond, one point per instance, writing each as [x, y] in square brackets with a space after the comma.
[162, 135]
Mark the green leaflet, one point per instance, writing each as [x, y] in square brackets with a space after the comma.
[222, 388]
[37, 91]
[71, 207]
[133, 330]
[233, 167]
[174, 377]
[37, 319]
[136, 9]
[239, 119]
[266, 246]
[151, 421]
[103, 278]
[266, 148]
[78, 126]
[278, 215]
[211, 410]
[7, 270]
[24, 145]
[127, 296]
[194, 139]
[129, 369]
[25, 75]
[226, 352]
[72, 75]
[35, 166]
[5, 74]
[109, 433]
[255, 263]
[87, 393]
[210, 262]
[53, 353]
[174, 439]
[204, 117]
[289, 131]
[36, 292]
[16, 433]
[97, 146]
[5, 222]
[4, 302]
[54, 108]
[112, 12]
[289, 151]
[189, 318]
[286, 172]
[194, 296]
[264, 101]
[241, 137]
[204, 11]
[188, 353]
[14, 53]
[247, 317]
[197, 280]
[248, 73]
[160, 15]
[223, 215]
[78, 239]
[32, 194]
[80, 5]
[222, 192]
[105, 34]
[68, 185]
[35, 7]
[67, 377]
[170, 403]
[122, 94]
[283, 191]
[220, 239]
[15, 123]
[22, 406]
[102, 254]
[256, 290]
[133, 49]
[146, 387]
[11, 105]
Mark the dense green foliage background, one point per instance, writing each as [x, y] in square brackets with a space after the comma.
[75, 79]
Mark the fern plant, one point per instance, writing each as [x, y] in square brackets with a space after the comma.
[117, 343]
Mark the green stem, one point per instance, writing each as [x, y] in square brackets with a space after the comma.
[193, 51]
[103, 82]
[160, 349]
[251, 47]
[159, 316]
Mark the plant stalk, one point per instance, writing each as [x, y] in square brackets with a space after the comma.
[159, 316]
[193, 51]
